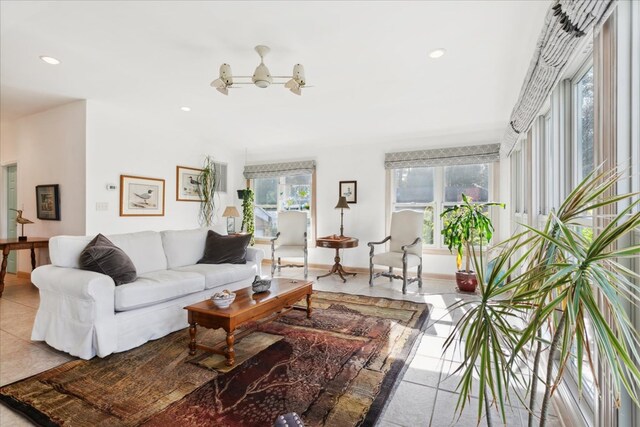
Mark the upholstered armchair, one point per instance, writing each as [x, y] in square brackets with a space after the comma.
[405, 249]
[290, 240]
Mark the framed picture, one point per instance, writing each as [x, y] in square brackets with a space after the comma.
[141, 196]
[48, 202]
[349, 189]
[188, 184]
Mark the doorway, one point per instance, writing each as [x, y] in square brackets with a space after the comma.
[12, 203]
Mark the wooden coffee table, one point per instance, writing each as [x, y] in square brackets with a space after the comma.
[246, 307]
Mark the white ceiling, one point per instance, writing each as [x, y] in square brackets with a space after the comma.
[368, 60]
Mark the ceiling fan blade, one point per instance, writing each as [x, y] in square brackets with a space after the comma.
[292, 84]
[223, 90]
[296, 90]
[218, 83]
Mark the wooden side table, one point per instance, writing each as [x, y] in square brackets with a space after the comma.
[8, 245]
[337, 243]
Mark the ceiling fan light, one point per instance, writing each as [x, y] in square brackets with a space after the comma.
[261, 77]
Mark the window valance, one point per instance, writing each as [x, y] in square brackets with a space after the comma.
[472, 154]
[566, 22]
[279, 169]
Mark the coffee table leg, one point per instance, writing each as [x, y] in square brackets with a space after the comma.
[192, 343]
[230, 353]
[309, 309]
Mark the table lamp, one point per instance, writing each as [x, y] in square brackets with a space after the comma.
[231, 213]
[342, 205]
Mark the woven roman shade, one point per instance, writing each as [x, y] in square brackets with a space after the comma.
[472, 154]
[279, 169]
[566, 22]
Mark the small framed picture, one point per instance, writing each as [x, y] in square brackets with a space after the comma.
[48, 202]
[188, 184]
[140, 196]
[349, 189]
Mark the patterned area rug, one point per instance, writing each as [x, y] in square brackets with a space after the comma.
[336, 369]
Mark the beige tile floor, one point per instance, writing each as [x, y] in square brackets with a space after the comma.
[425, 396]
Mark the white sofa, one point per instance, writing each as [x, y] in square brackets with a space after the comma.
[84, 314]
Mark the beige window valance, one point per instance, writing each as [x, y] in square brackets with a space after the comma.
[472, 154]
[271, 170]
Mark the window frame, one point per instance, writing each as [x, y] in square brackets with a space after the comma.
[439, 204]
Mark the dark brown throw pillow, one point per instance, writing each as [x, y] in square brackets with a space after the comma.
[102, 256]
[220, 249]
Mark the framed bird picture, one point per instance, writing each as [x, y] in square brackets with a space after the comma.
[48, 202]
[140, 196]
[188, 184]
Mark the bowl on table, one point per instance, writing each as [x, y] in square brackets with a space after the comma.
[223, 299]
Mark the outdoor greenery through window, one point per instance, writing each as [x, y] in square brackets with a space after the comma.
[433, 189]
[285, 193]
[584, 124]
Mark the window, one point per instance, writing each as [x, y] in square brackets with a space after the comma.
[285, 193]
[583, 125]
[549, 161]
[472, 180]
[433, 189]
[414, 189]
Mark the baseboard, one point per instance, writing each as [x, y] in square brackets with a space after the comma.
[23, 275]
[362, 270]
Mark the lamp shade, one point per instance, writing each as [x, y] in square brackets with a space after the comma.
[342, 203]
[231, 211]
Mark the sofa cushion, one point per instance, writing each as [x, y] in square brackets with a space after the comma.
[64, 251]
[222, 274]
[183, 247]
[221, 249]
[102, 256]
[144, 248]
[156, 287]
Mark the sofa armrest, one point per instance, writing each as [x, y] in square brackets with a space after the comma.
[255, 255]
[94, 292]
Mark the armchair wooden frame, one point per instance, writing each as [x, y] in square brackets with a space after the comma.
[280, 266]
[405, 280]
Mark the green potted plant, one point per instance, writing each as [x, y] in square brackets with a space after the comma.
[567, 291]
[208, 183]
[248, 213]
[464, 225]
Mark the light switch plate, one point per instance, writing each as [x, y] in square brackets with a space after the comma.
[102, 206]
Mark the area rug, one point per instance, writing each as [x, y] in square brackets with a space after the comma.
[336, 369]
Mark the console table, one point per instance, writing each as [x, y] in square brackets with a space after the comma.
[8, 245]
[337, 243]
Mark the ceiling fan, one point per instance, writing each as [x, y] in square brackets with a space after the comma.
[261, 77]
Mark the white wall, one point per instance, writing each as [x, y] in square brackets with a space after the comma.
[366, 219]
[49, 148]
[130, 142]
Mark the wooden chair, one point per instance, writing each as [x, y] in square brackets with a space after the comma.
[405, 249]
[292, 240]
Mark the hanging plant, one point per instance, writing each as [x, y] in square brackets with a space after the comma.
[207, 188]
[248, 219]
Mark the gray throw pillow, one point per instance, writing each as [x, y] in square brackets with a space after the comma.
[220, 249]
[102, 256]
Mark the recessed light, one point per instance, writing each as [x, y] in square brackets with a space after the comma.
[50, 60]
[437, 53]
[185, 108]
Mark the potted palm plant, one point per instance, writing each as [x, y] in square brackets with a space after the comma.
[464, 225]
[563, 304]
